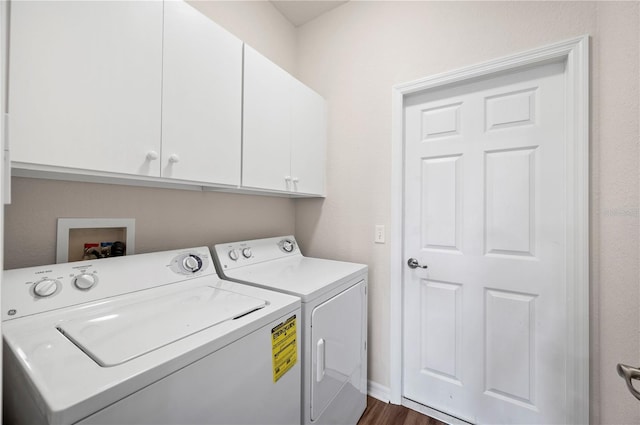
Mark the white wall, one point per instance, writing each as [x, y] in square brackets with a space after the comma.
[354, 54]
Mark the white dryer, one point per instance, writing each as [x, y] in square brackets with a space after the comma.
[334, 316]
[147, 339]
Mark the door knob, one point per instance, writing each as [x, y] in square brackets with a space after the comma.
[628, 373]
[413, 263]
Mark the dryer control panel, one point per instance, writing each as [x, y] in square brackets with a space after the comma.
[240, 254]
[38, 289]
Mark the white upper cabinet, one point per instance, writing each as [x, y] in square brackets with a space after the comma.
[266, 140]
[201, 98]
[85, 84]
[284, 135]
[153, 91]
[308, 139]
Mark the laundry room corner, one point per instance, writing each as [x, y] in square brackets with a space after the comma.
[346, 61]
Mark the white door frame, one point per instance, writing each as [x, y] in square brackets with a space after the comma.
[575, 53]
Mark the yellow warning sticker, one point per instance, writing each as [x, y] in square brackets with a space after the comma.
[284, 347]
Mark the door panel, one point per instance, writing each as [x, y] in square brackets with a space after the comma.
[510, 198]
[440, 179]
[441, 320]
[484, 325]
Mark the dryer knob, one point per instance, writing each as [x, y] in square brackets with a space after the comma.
[84, 281]
[45, 288]
[233, 254]
[246, 252]
[192, 263]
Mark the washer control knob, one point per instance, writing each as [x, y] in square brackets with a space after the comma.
[287, 245]
[246, 253]
[233, 254]
[45, 288]
[192, 263]
[85, 281]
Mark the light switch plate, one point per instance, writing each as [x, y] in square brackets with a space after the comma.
[379, 235]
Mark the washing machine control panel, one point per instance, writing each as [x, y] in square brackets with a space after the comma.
[240, 254]
[38, 289]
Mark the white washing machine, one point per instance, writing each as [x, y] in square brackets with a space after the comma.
[147, 339]
[334, 316]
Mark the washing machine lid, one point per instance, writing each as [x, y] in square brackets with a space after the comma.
[305, 277]
[114, 337]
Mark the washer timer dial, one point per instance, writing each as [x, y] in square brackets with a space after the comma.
[246, 253]
[189, 263]
[192, 263]
[287, 245]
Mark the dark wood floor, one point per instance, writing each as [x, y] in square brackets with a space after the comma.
[381, 413]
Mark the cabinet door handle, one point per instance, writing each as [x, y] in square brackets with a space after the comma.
[320, 360]
[295, 180]
[628, 373]
[152, 155]
[174, 158]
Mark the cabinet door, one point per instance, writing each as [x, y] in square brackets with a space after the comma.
[85, 84]
[267, 124]
[308, 139]
[202, 95]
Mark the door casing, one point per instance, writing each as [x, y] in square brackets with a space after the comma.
[575, 53]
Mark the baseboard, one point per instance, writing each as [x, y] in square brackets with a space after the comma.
[436, 414]
[379, 391]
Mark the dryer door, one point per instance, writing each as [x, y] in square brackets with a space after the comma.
[338, 332]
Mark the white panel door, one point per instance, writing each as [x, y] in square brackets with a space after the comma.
[485, 325]
[86, 82]
[266, 140]
[308, 140]
[202, 95]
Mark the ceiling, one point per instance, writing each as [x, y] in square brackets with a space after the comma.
[299, 12]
